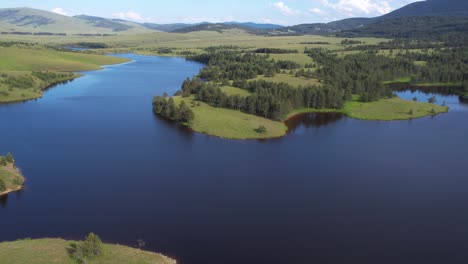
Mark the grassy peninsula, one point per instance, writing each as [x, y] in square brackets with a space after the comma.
[228, 123]
[26, 70]
[11, 179]
[91, 251]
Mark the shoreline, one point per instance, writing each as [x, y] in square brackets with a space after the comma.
[7, 192]
[300, 112]
[13, 172]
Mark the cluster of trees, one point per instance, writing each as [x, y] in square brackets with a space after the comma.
[20, 82]
[86, 250]
[29, 80]
[315, 43]
[268, 99]
[33, 33]
[275, 51]
[5, 160]
[233, 64]
[52, 77]
[442, 66]
[350, 42]
[16, 43]
[362, 73]
[305, 73]
[91, 45]
[167, 108]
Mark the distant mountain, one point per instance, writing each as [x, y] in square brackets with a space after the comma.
[166, 27]
[220, 27]
[205, 26]
[254, 25]
[117, 25]
[29, 20]
[425, 15]
[453, 8]
[421, 27]
[429, 8]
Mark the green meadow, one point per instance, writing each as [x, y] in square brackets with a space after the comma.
[49, 251]
[227, 123]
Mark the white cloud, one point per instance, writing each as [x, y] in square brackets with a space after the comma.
[60, 11]
[286, 10]
[317, 11]
[131, 16]
[359, 7]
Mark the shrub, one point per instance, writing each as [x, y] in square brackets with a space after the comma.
[90, 248]
[261, 130]
[2, 186]
[9, 158]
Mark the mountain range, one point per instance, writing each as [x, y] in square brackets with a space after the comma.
[430, 12]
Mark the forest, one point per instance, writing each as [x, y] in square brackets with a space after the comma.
[362, 74]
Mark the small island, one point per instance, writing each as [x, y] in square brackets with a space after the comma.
[91, 250]
[11, 179]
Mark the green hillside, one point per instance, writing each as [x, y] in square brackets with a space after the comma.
[29, 20]
[26, 70]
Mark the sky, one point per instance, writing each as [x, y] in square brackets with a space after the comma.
[284, 12]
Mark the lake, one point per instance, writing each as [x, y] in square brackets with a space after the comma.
[334, 190]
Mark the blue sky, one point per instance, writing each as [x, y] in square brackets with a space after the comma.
[285, 12]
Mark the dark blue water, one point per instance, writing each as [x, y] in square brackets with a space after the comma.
[335, 190]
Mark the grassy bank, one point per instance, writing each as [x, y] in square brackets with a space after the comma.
[40, 58]
[11, 179]
[46, 251]
[231, 124]
[382, 110]
[27, 70]
[391, 109]
[32, 88]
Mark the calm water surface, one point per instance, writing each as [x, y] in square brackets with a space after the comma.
[335, 190]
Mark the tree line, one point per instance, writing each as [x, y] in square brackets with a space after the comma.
[166, 107]
[268, 99]
[231, 64]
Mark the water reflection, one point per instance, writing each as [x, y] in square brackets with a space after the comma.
[3, 201]
[309, 120]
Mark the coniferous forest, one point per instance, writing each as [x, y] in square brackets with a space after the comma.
[361, 74]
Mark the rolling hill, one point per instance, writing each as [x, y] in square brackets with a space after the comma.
[29, 20]
[419, 16]
[399, 17]
[452, 8]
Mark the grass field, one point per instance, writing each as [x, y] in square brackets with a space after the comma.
[12, 179]
[382, 110]
[41, 59]
[391, 109]
[195, 41]
[231, 124]
[299, 58]
[290, 79]
[48, 251]
[230, 90]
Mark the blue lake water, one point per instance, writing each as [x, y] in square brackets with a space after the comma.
[334, 190]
